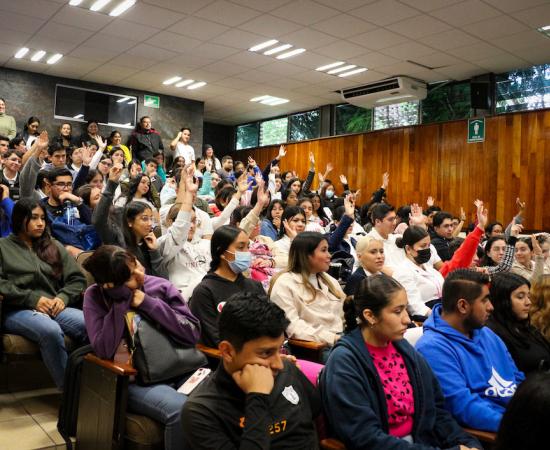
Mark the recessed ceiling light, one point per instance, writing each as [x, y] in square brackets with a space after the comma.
[278, 49]
[75, 2]
[133, 102]
[78, 116]
[184, 83]
[353, 72]
[197, 85]
[330, 66]
[546, 28]
[53, 59]
[171, 80]
[291, 53]
[122, 7]
[342, 69]
[269, 100]
[38, 55]
[277, 101]
[123, 99]
[261, 97]
[21, 52]
[99, 4]
[263, 45]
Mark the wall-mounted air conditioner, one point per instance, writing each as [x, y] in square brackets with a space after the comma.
[385, 92]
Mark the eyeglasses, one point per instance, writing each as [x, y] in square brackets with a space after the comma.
[62, 185]
[106, 163]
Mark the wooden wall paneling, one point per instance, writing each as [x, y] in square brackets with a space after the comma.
[436, 160]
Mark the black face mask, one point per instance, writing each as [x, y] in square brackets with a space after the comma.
[423, 255]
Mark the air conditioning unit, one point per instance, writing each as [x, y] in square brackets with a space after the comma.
[385, 92]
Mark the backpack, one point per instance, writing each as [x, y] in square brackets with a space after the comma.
[341, 265]
[78, 234]
[68, 411]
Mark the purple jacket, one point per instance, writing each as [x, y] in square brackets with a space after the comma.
[104, 311]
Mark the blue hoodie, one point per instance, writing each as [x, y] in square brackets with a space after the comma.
[478, 376]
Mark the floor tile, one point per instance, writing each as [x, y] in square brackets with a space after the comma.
[43, 404]
[48, 422]
[23, 434]
[10, 408]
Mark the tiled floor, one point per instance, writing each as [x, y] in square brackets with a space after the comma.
[28, 420]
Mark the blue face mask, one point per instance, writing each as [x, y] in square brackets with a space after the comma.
[241, 263]
[329, 194]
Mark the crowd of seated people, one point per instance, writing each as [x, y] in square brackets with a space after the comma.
[242, 258]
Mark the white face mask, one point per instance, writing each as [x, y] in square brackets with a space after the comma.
[329, 194]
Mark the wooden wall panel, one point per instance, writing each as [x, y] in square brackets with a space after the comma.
[436, 160]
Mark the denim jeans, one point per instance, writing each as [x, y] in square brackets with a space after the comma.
[162, 403]
[48, 333]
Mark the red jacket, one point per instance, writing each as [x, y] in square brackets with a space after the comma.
[462, 258]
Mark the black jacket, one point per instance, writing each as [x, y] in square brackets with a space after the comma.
[355, 403]
[219, 415]
[145, 143]
[208, 299]
[529, 349]
[442, 246]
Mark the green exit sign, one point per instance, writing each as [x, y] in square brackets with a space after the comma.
[152, 101]
[476, 130]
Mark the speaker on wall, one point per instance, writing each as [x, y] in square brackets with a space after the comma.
[482, 91]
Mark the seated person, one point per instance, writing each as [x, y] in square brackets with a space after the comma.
[230, 258]
[370, 254]
[293, 222]
[477, 374]
[510, 321]
[442, 234]
[529, 261]
[255, 399]
[122, 290]
[39, 281]
[340, 240]
[312, 300]
[376, 380]
[540, 298]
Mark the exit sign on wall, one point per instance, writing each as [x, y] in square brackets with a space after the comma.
[151, 101]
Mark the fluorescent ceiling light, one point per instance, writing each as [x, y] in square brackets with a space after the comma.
[99, 4]
[184, 83]
[78, 116]
[197, 85]
[353, 72]
[38, 55]
[123, 99]
[53, 59]
[278, 101]
[263, 45]
[171, 80]
[278, 49]
[397, 97]
[294, 52]
[133, 102]
[546, 28]
[122, 7]
[75, 2]
[342, 69]
[330, 66]
[261, 97]
[21, 52]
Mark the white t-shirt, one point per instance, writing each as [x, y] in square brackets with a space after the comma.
[186, 151]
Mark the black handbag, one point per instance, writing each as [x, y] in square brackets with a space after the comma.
[157, 357]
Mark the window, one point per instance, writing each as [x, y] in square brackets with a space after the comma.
[273, 131]
[401, 114]
[352, 119]
[446, 102]
[523, 89]
[247, 136]
[80, 105]
[305, 125]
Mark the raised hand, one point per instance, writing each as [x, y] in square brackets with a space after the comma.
[516, 229]
[115, 172]
[462, 214]
[416, 218]
[537, 250]
[343, 179]
[282, 152]
[42, 141]
[243, 184]
[349, 205]
[385, 180]
[311, 160]
[520, 205]
[321, 177]
[430, 201]
[251, 161]
[291, 233]
[101, 143]
[262, 195]
[482, 215]
[330, 167]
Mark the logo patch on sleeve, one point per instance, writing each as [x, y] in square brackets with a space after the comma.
[291, 395]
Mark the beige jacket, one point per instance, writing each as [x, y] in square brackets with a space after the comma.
[318, 319]
[538, 268]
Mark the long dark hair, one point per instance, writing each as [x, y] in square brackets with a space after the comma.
[374, 293]
[44, 246]
[30, 120]
[222, 238]
[133, 187]
[131, 210]
[110, 264]
[288, 213]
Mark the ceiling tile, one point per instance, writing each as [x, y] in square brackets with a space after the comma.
[15, 39]
[341, 50]
[232, 83]
[133, 62]
[495, 28]
[40, 9]
[81, 18]
[437, 59]
[311, 60]
[466, 12]
[250, 59]
[270, 26]
[535, 55]
[523, 40]
[51, 45]
[510, 6]
[204, 75]
[476, 51]
[373, 60]
[238, 39]
[110, 73]
[431, 76]
[282, 68]
[344, 26]
[17, 22]
[102, 41]
[308, 38]
[99, 55]
[384, 12]
[345, 5]
[151, 15]
[401, 68]
[287, 83]
[419, 26]
[378, 39]
[462, 71]
[429, 5]
[449, 39]
[502, 63]
[257, 76]
[64, 33]
[225, 68]
[198, 28]
[70, 66]
[174, 41]
[535, 17]
[129, 30]
[187, 6]
[262, 5]
[305, 12]
[407, 50]
[227, 13]
[312, 77]
[214, 51]
[154, 53]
